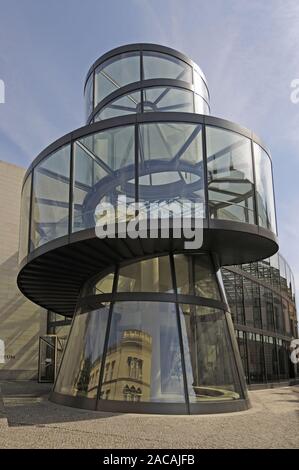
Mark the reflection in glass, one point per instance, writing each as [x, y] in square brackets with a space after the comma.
[81, 364]
[50, 202]
[143, 360]
[195, 275]
[116, 73]
[264, 188]
[210, 368]
[151, 275]
[159, 65]
[24, 215]
[230, 176]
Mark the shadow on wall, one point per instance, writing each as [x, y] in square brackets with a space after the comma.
[22, 322]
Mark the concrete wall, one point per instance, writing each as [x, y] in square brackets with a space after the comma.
[21, 321]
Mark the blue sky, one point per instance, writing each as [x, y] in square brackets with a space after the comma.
[248, 50]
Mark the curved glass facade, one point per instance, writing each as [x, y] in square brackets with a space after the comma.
[186, 90]
[261, 297]
[173, 349]
[151, 327]
[154, 99]
[172, 164]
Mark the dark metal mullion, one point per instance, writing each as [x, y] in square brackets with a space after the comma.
[205, 172]
[30, 213]
[256, 214]
[245, 339]
[179, 326]
[136, 137]
[141, 80]
[277, 358]
[93, 91]
[106, 341]
[161, 96]
[71, 189]
[265, 370]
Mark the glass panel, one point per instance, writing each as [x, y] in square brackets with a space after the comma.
[114, 147]
[264, 188]
[50, 203]
[210, 367]
[255, 358]
[168, 100]
[241, 339]
[267, 308]
[201, 106]
[158, 65]
[46, 358]
[283, 274]
[151, 275]
[200, 86]
[89, 96]
[283, 360]
[248, 302]
[285, 309]
[97, 159]
[230, 176]
[128, 104]
[171, 154]
[102, 284]
[81, 364]
[143, 361]
[195, 275]
[24, 219]
[278, 314]
[271, 359]
[233, 285]
[274, 263]
[87, 174]
[116, 73]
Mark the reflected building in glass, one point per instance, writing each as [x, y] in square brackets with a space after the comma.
[151, 320]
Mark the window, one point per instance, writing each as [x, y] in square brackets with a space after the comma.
[264, 188]
[116, 73]
[128, 104]
[171, 165]
[151, 275]
[159, 65]
[230, 176]
[89, 96]
[199, 85]
[144, 341]
[24, 222]
[210, 367]
[50, 201]
[167, 99]
[83, 356]
[195, 275]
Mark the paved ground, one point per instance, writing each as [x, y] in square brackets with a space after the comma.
[34, 422]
